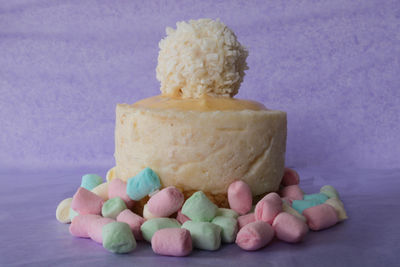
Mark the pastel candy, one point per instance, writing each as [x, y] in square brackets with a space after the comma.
[172, 242]
[101, 190]
[337, 204]
[90, 181]
[86, 202]
[329, 191]
[80, 225]
[182, 218]
[289, 228]
[301, 205]
[290, 177]
[151, 226]
[134, 221]
[205, 235]
[118, 237]
[287, 208]
[199, 208]
[144, 183]
[321, 217]
[166, 202]
[72, 214]
[227, 213]
[113, 207]
[268, 207]
[110, 174]
[117, 188]
[147, 214]
[246, 219]
[229, 228]
[62, 211]
[95, 228]
[293, 192]
[320, 198]
[255, 235]
[240, 197]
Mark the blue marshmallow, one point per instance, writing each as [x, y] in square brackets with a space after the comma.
[144, 183]
[90, 181]
[301, 205]
[320, 198]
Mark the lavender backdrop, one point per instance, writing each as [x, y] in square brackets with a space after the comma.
[334, 66]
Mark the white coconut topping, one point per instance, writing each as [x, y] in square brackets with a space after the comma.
[201, 57]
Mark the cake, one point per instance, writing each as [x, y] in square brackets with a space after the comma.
[195, 135]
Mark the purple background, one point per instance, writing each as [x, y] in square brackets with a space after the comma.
[334, 66]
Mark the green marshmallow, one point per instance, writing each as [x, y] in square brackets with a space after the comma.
[112, 207]
[320, 198]
[72, 213]
[227, 213]
[329, 191]
[205, 235]
[199, 208]
[151, 226]
[90, 181]
[229, 228]
[118, 237]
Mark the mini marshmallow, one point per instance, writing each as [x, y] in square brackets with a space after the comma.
[227, 213]
[255, 235]
[95, 228]
[90, 181]
[110, 174]
[101, 190]
[246, 219]
[287, 208]
[337, 204]
[118, 237]
[240, 197]
[182, 218]
[80, 224]
[301, 205]
[117, 188]
[172, 242]
[62, 211]
[321, 217]
[229, 228]
[320, 198]
[134, 221]
[199, 208]
[113, 207]
[293, 192]
[166, 202]
[205, 235]
[144, 183]
[86, 202]
[268, 207]
[147, 214]
[330, 191]
[290, 177]
[289, 228]
[151, 226]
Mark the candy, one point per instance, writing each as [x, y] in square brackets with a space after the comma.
[172, 242]
[113, 207]
[290, 177]
[229, 228]
[246, 219]
[329, 191]
[255, 235]
[110, 174]
[95, 228]
[287, 208]
[289, 228]
[147, 214]
[80, 225]
[144, 183]
[62, 211]
[199, 208]
[151, 226]
[321, 217]
[166, 202]
[118, 237]
[227, 213]
[117, 188]
[102, 191]
[293, 192]
[301, 205]
[134, 221]
[205, 235]
[86, 202]
[268, 207]
[339, 207]
[240, 197]
[182, 217]
[90, 181]
[320, 198]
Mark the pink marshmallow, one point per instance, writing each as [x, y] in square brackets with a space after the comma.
[181, 218]
[289, 228]
[268, 207]
[290, 177]
[86, 202]
[321, 217]
[166, 202]
[246, 219]
[293, 192]
[255, 235]
[95, 228]
[240, 197]
[80, 224]
[172, 242]
[133, 220]
[117, 188]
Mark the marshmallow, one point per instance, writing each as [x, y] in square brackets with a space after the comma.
[62, 211]
[287, 208]
[110, 174]
[151, 226]
[330, 191]
[166, 202]
[101, 190]
[117, 188]
[290, 177]
[240, 197]
[72, 214]
[227, 213]
[144, 183]
[118, 237]
[90, 181]
[293, 192]
[337, 204]
[95, 228]
[134, 221]
[255, 235]
[113, 207]
[229, 228]
[147, 214]
[80, 224]
[289, 228]
[321, 217]
[182, 218]
[205, 235]
[301, 205]
[172, 242]
[268, 207]
[246, 219]
[320, 198]
[199, 208]
[86, 202]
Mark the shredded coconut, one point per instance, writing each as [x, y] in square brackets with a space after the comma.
[201, 57]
